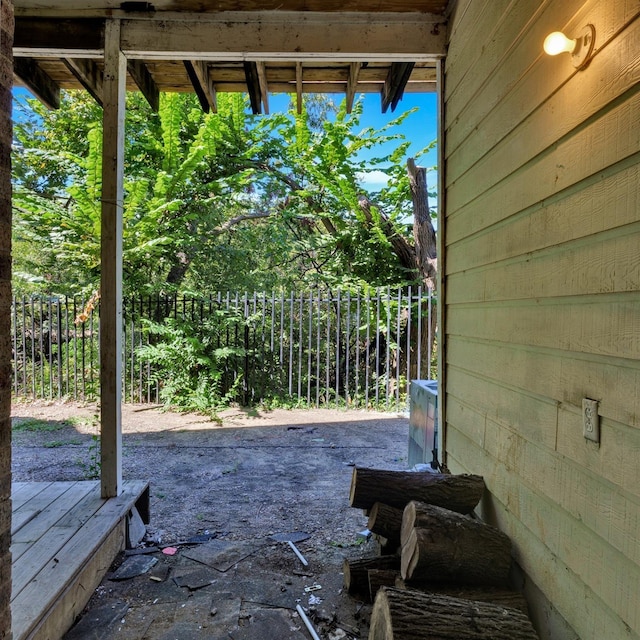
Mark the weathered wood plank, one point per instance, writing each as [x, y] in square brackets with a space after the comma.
[108, 7]
[395, 84]
[72, 601]
[22, 492]
[39, 504]
[73, 555]
[264, 86]
[276, 34]
[65, 37]
[352, 84]
[37, 553]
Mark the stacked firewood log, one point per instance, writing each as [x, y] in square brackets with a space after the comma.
[440, 572]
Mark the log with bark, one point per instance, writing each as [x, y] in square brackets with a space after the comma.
[450, 547]
[356, 576]
[503, 597]
[396, 488]
[386, 521]
[412, 615]
[381, 578]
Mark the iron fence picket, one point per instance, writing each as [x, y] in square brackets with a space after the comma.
[343, 348]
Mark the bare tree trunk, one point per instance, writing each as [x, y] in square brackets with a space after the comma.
[424, 236]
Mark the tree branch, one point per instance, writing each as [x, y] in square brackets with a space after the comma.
[229, 224]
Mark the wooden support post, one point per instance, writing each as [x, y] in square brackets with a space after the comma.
[299, 87]
[352, 83]
[264, 86]
[115, 66]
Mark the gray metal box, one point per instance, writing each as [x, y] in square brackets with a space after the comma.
[423, 422]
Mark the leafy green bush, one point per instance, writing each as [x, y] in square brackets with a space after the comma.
[188, 364]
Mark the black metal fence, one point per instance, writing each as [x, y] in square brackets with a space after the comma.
[318, 347]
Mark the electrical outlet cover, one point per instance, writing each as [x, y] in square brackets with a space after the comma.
[590, 420]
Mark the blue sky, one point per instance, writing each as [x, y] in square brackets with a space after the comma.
[420, 128]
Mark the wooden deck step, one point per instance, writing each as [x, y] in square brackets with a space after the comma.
[65, 536]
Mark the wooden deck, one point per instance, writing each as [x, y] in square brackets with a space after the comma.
[64, 537]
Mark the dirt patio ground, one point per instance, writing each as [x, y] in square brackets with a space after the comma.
[237, 484]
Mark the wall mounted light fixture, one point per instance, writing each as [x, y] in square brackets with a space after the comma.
[580, 48]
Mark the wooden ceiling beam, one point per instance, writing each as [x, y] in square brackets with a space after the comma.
[394, 86]
[143, 79]
[116, 8]
[37, 81]
[253, 86]
[264, 86]
[352, 84]
[88, 75]
[264, 35]
[38, 37]
[202, 84]
[299, 87]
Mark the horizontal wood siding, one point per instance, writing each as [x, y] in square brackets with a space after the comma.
[541, 283]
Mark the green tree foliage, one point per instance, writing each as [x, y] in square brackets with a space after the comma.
[212, 201]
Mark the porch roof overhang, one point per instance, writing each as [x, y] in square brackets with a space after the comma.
[289, 46]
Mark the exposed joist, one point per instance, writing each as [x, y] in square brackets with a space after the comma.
[141, 76]
[37, 81]
[352, 83]
[37, 37]
[299, 87]
[253, 86]
[88, 75]
[116, 8]
[202, 84]
[394, 86]
[264, 86]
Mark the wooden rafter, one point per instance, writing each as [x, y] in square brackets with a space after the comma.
[202, 84]
[141, 76]
[394, 86]
[264, 86]
[89, 76]
[352, 83]
[299, 87]
[37, 81]
[253, 86]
